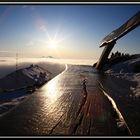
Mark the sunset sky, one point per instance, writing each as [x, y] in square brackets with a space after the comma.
[64, 31]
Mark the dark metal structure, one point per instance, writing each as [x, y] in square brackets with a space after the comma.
[109, 41]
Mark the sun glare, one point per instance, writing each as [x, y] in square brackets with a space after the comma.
[55, 41]
[52, 44]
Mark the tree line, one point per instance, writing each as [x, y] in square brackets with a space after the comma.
[118, 57]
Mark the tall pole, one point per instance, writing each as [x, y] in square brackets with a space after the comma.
[16, 62]
[17, 68]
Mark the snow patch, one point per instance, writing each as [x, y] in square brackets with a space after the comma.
[25, 77]
[128, 71]
[16, 86]
[11, 102]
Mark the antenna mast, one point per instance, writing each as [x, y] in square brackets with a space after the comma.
[16, 68]
[16, 62]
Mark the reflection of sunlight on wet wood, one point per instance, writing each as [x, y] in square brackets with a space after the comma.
[52, 89]
[52, 93]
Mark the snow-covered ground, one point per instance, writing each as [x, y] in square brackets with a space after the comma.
[10, 99]
[24, 77]
[122, 83]
[127, 70]
[17, 86]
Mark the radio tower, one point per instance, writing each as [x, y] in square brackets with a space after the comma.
[16, 62]
[17, 68]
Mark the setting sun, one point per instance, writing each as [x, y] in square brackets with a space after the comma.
[52, 43]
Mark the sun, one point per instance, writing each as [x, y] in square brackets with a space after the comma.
[52, 43]
[55, 41]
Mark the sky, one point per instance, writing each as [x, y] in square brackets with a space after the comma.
[64, 31]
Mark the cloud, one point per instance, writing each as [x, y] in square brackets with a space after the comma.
[24, 6]
[28, 6]
[6, 53]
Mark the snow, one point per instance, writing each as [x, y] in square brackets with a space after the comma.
[24, 77]
[136, 91]
[12, 94]
[30, 72]
[126, 70]
[10, 99]
[13, 91]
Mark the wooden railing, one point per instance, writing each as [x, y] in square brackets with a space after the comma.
[110, 40]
